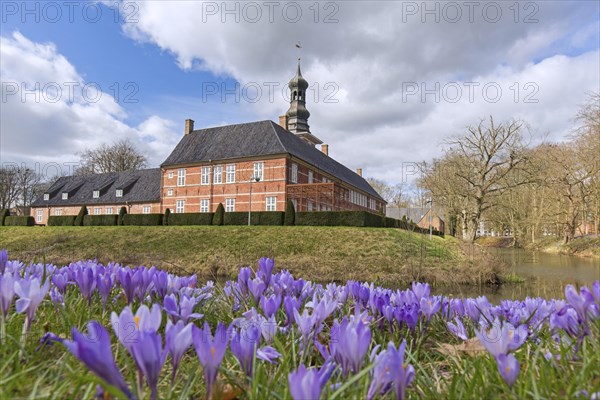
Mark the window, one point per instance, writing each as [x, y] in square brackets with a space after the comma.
[170, 174]
[205, 176]
[309, 206]
[229, 205]
[65, 195]
[170, 192]
[204, 205]
[218, 174]
[109, 210]
[146, 210]
[96, 194]
[39, 215]
[180, 206]
[310, 177]
[295, 203]
[230, 173]
[46, 196]
[119, 193]
[97, 211]
[271, 203]
[181, 177]
[58, 211]
[294, 178]
[259, 169]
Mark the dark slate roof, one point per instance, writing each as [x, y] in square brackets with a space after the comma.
[139, 186]
[256, 139]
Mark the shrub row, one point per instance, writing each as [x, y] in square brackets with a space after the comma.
[143, 219]
[61, 220]
[19, 221]
[189, 219]
[100, 220]
[339, 218]
[256, 218]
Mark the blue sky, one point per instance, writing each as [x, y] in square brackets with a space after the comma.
[368, 58]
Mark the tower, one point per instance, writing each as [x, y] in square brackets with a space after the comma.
[297, 115]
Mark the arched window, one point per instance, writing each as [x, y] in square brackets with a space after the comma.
[295, 95]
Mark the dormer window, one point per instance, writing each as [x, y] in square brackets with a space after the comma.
[65, 195]
[46, 196]
[96, 194]
[119, 193]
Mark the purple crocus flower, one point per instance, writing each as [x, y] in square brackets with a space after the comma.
[128, 282]
[349, 343]
[3, 260]
[270, 304]
[268, 354]
[458, 329]
[290, 304]
[421, 290]
[210, 352]
[307, 383]
[243, 278]
[306, 323]
[128, 326]
[579, 301]
[94, 351]
[502, 338]
[265, 269]
[244, 343]
[60, 280]
[57, 298]
[104, 287]
[256, 287]
[7, 292]
[149, 356]
[430, 306]
[391, 371]
[86, 280]
[182, 310]
[508, 367]
[31, 294]
[178, 340]
[161, 283]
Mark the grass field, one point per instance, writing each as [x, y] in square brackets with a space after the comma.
[390, 256]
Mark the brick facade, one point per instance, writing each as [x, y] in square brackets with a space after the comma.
[102, 209]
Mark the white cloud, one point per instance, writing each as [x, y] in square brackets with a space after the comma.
[49, 114]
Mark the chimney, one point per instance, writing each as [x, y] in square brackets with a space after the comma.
[359, 171]
[283, 121]
[189, 126]
[325, 149]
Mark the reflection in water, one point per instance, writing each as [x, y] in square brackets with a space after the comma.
[546, 275]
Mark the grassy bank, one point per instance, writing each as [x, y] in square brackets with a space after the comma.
[316, 253]
[588, 246]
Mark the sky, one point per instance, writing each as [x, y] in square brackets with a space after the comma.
[390, 81]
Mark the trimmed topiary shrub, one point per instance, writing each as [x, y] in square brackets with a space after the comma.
[290, 214]
[166, 217]
[121, 217]
[100, 220]
[256, 218]
[79, 219]
[143, 219]
[3, 214]
[61, 220]
[218, 218]
[391, 222]
[19, 221]
[191, 219]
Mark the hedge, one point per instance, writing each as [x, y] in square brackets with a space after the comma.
[219, 215]
[290, 214]
[122, 214]
[100, 220]
[142, 219]
[339, 218]
[191, 219]
[3, 214]
[19, 221]
[61, 220]
[257, 218]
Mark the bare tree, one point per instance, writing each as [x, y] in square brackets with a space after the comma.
[117, 157]
[19, 186]
[9, 186]
[393, 194]
[475, 170]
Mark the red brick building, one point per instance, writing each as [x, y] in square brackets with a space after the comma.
[258, 165]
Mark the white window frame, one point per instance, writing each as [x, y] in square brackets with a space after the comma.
[259, 170]
[96, 194]
[271, 203]
[170, 192]
[108, 211]
[46, 196]
[170, 174]
[180, 206]
[310, 177]
[218, 174]
[230, 205]
[205, 179]
[119, 193]
[309, 205]
[65, 196]
[181, 177]
[204, 204]
[294, 177]
[97, 211]
[39, 215]
[58, 212]
[230, 173]
[146, 209]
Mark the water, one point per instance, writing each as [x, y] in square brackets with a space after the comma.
[546, 275]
